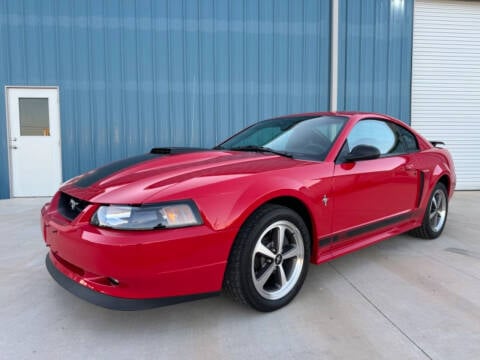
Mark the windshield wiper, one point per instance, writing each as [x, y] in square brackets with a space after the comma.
[261, 149]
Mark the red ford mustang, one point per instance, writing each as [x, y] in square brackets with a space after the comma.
[247, 216]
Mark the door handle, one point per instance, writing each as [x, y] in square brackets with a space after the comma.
[13, 147]
[410, 167]
[14, 139]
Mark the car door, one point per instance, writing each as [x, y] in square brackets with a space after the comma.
[370, 194]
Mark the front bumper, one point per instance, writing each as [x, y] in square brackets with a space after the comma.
[112, 302]
[129, 270]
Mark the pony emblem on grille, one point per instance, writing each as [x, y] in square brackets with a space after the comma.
[73, 204]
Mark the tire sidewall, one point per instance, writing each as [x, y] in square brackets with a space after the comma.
[434, 234]
[251, 293]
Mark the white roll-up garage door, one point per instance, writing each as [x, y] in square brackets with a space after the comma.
[446, 81]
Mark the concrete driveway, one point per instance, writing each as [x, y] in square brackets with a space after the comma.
[404, 298]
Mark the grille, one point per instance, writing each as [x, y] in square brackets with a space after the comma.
[70, 207]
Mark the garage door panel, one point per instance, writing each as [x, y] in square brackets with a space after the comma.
[446, 81]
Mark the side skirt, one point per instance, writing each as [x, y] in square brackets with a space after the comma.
[354, 239]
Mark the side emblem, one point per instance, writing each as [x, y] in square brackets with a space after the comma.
[325, 200]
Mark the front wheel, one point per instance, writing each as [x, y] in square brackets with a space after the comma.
[269, 259]
[435, 215]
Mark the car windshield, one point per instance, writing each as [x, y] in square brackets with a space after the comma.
[308, 137]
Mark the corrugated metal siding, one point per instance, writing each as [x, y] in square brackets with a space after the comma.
[138, 74]
[375, 48]
[446, 81]
[4, 70]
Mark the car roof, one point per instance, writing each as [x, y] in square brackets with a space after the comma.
[337, 113]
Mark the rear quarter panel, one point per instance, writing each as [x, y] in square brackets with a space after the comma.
[435, 163]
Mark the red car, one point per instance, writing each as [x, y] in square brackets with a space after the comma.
[247, 216]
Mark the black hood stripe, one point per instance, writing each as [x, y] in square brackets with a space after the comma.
[107, 170]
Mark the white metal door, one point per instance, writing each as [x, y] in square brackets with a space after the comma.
[34, 141]
[446, 81]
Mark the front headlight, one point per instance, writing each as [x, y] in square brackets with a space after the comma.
[147, 217]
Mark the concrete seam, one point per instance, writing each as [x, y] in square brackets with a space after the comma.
[380, 311]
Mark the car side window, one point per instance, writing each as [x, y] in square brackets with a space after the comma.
[406, 138]
[374, 133]
[388, 138]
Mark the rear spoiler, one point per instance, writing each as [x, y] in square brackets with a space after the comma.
[435, 143]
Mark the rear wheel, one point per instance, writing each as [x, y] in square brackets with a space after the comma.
[269, 259]
[435, 216]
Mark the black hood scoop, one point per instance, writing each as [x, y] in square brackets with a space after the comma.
[175, 150]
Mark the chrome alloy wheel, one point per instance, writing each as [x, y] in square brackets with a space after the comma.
[438, 210]
[277, 260]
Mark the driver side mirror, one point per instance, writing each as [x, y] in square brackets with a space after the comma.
[363, 152]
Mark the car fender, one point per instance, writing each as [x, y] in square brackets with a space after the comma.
[246, 209]
[234, 212]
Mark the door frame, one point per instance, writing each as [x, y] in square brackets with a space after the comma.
[7, 122]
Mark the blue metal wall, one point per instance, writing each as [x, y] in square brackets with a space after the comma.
[375, 56]
[138, 74]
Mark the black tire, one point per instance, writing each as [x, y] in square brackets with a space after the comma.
[433, 212]
[247, 263]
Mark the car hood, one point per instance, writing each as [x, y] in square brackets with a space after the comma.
[146, 178]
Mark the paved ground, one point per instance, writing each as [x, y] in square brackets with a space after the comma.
[402, 299]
